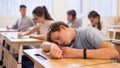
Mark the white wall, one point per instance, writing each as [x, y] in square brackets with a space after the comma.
[58, 14]
[60, 9]
[7, 20]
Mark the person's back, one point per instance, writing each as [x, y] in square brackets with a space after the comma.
[87, 37]
[23, 23]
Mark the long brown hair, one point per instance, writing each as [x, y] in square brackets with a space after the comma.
[42, 10]
[94, 14]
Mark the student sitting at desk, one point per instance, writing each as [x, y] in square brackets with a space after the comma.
[44, 20]
[23, 23]
[94, 18]
[72, 20]
[85, 42]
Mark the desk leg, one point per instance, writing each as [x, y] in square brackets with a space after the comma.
[1, 54]
[20, 54]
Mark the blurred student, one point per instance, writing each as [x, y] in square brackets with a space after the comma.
[96, 22]
[82, 42]
[44, 20]
[25, 22]
[72, 20]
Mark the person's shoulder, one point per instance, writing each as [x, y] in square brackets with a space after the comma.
[77, 20]
[28, 17]
[83, 28]
[48, 22]
[51, 21]
[87, 29]
[90, 28]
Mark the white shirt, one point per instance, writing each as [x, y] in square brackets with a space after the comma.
[44, 27]
[104, 28]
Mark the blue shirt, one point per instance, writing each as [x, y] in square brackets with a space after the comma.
[88, 38]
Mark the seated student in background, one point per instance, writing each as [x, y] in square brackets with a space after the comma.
[87, 42]
[94, 18]
[72, 20]
[23, 23]
[44, 20]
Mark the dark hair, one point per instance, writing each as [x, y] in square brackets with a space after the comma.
[54, 27]
[42, 10]
[22, 6]
[94, 14]
[73, 13]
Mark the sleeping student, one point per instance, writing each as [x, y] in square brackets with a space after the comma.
[83, 42]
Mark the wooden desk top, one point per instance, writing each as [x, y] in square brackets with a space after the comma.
[107, 65]
[13, 38]
[61, 63]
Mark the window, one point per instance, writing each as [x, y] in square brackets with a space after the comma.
[11, 7]
[83, 7]
[76, 5]
[104, 7]
[31, 4]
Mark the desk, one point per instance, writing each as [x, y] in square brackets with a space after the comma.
[114, 33]
[16, 44]
[117, 46]
[1, 38]
[107, 65]
[8, 30]
[59, 63]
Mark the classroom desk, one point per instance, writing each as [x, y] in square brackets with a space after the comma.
[2, 29]
[115, 27]
[16, 45]
[59, 63]
[114, 33]
[117, 46]
[1, 38]
[107, 65]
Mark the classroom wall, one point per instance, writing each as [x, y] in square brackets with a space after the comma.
[7, 20]
[60, 9]
[58, 14]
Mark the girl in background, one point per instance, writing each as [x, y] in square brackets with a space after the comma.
[96, 22]
[72, 20]
[44, 20]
